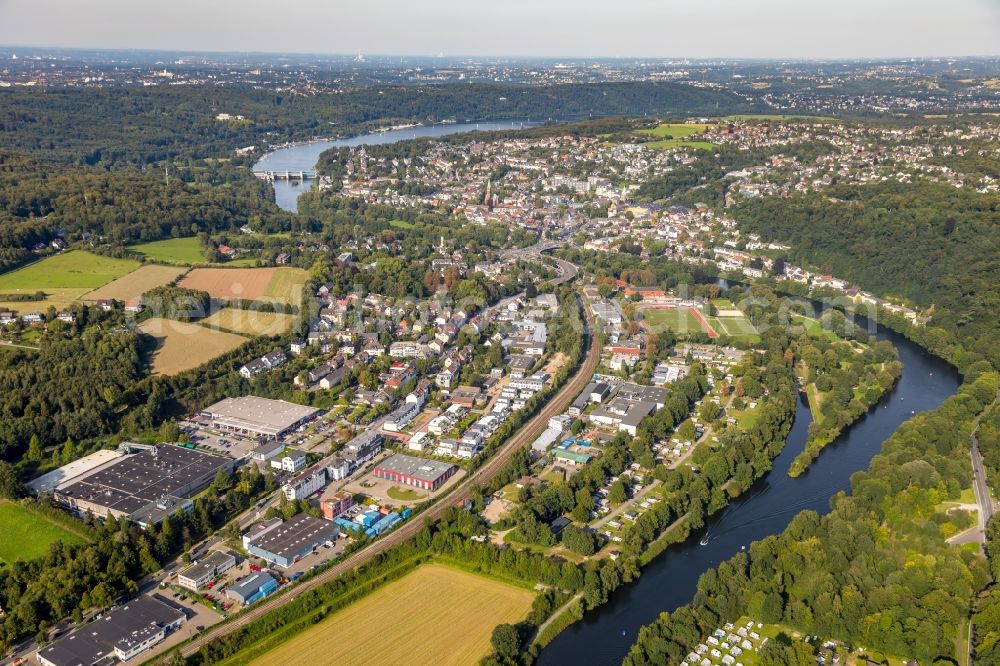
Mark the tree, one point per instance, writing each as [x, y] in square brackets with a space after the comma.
[68, 452]
[579, 540]
[10, 485]
[506, 640]
[617, 493]
[34, 453]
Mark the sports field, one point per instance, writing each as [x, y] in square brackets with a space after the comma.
[730, 320]
[674, 135]
[183, 251]
[181, 346]
[434, 615]
[136, 283]
[249, 322]
[283, 285]
[27, 535]
[679, 320]
[63, 277]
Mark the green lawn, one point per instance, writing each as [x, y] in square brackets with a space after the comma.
[185, 251]
[678, 320]
[401, 224]
[404, 494]
[675, 135]
[75, 269]
[27, 535]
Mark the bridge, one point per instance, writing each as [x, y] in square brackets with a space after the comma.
[285, 175]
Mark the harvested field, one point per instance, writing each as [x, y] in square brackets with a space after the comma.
[181, 346]
[250, 322]
[436, 614]
[136, 283]
[282, 285]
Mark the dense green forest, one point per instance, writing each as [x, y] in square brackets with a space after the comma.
[930, 243]
[143, 126]
[875, 571]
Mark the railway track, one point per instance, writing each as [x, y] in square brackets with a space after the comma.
[489, 470]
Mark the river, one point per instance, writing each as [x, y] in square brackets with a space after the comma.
[604, 636]
[304, 156]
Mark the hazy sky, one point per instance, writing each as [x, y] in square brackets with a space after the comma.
[693, 28]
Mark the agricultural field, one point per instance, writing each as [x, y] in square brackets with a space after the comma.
[27, 535]
[136, 283]
[64, 278]
[249, 322]
[678, 134]
[182, 251]
[282, 285]
[181, 346]
[682, 321]
[434, 615]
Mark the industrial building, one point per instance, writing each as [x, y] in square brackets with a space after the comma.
[124, 633]
[283, 543]
[262, 418]
[412, 471]
[252, 588]
[206, 569]
[145, 483]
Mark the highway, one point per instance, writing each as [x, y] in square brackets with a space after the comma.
[522, 438]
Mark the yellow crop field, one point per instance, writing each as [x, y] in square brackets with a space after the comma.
[434, 615]
[136, 283]
[249, 322]
[181, 346]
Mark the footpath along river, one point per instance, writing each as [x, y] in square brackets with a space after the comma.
[303, 156]
[604, 636]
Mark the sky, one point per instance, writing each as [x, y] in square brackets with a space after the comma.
[551, 28]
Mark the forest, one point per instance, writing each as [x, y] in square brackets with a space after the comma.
[83, 126]
[930, 243]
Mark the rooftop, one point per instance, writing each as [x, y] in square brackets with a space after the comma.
[294, 536]
[263, 415]
[418, 468]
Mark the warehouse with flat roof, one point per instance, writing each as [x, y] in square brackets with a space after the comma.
[124, 633]
[284, 542]
[258, 417]
[145, 484]
[413, 471]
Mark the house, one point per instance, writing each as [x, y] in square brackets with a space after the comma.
[274, 359]
[283, 259]
[297, 346]
[67, 317]
[401, 417]
[336, 506]
[253, 368]
[133, 305]
[445, 379]
[419, 441]
[292, 462]
[267, 450]
[305, 484]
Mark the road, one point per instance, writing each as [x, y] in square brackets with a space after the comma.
[522, 438]
[984, 499]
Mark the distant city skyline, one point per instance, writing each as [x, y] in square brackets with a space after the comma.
[806, 29]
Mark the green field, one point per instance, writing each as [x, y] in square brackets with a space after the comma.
[678, 320]
[63, 277]
[184, 251]
[674, 135]
[74, 269]
[433, 615]
[401, 224]
[27, 535]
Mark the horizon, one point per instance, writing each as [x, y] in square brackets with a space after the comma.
[639, 29]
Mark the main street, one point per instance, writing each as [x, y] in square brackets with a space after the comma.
[489, 470]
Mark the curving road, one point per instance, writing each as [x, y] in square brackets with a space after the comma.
[523, 437]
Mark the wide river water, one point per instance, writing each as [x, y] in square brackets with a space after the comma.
[605, 635]
[304, 156]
